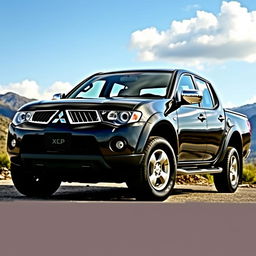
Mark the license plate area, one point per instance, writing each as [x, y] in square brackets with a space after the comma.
[57, 142]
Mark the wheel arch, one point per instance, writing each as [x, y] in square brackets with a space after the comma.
[234, 140]
[164, 129]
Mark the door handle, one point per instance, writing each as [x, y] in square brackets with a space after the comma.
[221, 118]
[202, 117]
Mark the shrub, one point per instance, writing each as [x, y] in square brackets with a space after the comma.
[249, 173]
[209, 177]
[4, 161]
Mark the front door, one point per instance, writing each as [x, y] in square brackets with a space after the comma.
[192, 133]
[191, 126]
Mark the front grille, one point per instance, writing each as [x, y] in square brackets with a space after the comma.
[83, 116]
[43, 117]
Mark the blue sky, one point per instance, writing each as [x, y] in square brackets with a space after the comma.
[48, 45]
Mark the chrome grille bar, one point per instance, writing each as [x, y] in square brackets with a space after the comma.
[42, 116]
[77, 116]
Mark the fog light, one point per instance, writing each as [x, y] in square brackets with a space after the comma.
[119, 144]
[13, 143]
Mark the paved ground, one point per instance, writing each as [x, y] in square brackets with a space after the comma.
[79, 192]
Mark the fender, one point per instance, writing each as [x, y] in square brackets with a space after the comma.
[226, 142]
[153, 122]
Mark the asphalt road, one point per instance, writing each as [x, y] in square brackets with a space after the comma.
[79, 192]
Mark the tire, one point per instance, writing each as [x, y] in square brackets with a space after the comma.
[227, 181]
[34, 185]
[154, 179]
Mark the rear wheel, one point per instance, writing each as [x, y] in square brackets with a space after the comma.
[155, 178]
[35, 185]
[228, 180]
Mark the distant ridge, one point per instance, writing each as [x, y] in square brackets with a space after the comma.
[250, 111]
[10, 102]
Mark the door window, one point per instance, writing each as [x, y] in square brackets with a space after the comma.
[185, 83]
[207, 101]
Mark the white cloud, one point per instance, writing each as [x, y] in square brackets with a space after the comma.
[251, 100]
[27, 88]
[229, 104]
[206, 38]
[57, 87]
[31, 89]
[191, 7]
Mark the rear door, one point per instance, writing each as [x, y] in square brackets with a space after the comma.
[215, 119]
[191, 126]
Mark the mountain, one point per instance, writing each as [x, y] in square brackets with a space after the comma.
[6, 111]
[4, 122]
[10, 103]
[253, 147]
[250, 111]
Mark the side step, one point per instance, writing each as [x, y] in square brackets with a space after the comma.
[199, 171]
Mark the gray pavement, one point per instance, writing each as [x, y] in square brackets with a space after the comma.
[80, 192]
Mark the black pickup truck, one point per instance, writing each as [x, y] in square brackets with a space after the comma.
[142, 127]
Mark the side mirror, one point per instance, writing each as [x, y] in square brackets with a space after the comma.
[191, 96]
[58, 96]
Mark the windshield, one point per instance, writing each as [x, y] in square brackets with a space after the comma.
[138, 84]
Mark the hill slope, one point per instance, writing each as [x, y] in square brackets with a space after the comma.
[4, 122]
[250, 111]
[10, 103]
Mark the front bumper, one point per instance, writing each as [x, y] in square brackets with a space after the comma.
[89, 150]
[81, 168]
[63, 161]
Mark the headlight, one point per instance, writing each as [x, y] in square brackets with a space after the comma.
[120, 117]
[21, 117]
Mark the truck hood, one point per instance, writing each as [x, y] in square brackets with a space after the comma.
[100, 103]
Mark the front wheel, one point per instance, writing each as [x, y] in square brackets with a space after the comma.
[155, 178]
[228, 180]
[34, 185]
